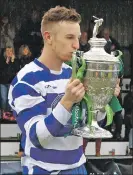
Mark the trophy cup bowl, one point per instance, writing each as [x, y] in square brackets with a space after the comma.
[100, 80]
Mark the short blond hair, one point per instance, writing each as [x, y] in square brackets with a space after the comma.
[59, 14]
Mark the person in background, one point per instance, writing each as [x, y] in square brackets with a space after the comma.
[7, 34]
[25, 55]
[21, 150]
[118, 121]
[9, 66]
[131, 59]
[102, 120]
[127, 104]
[84, 45]
[30, 34]
[0, 86]
[112, 44]
[131, 135]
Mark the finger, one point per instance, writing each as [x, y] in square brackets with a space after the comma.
[75, 82]
[77, 88]
[80, 97]
[117, 92]
[70, 80]
[86, 88]
[80, 91]
[117, 89]
[117, 86]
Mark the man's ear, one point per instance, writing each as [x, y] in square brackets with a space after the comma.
[47, 37]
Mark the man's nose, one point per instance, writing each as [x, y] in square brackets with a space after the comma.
[76, 45]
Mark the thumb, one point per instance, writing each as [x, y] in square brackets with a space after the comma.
[70, 80]
[118, 81]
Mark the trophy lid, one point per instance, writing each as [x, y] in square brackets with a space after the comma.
[97, 52]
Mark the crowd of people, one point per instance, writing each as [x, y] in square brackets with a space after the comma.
[10, 65]
[19, 46]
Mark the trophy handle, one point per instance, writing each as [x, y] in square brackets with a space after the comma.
[119, 57]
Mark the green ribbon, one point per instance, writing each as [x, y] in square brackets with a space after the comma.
[79, 72]
[115, 104]
[110, 114]
[77, 108]
[76, 114]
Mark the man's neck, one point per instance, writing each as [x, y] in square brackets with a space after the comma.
[49, 59]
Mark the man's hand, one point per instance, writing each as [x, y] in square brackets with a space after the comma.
[74, 93]
[117, 89]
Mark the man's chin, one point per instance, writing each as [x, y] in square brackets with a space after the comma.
[67, 58]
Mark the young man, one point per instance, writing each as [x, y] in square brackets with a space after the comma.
[42, 96]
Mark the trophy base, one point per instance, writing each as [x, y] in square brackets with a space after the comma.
[92, 132]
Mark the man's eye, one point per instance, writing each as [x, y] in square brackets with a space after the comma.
[70, 37]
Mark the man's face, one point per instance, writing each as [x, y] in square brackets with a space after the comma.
[65, 40]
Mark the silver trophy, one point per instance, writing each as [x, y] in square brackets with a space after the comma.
[100, 81]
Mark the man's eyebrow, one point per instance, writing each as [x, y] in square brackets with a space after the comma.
[69, 34]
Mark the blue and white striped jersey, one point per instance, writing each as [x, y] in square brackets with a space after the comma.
[34, 96]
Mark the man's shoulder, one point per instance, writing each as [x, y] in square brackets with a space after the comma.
[29, 68]
[32, 74]
[27, 74]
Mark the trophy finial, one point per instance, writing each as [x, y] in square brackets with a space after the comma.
[98, 23]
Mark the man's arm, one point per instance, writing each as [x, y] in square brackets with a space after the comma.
[34, 116]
